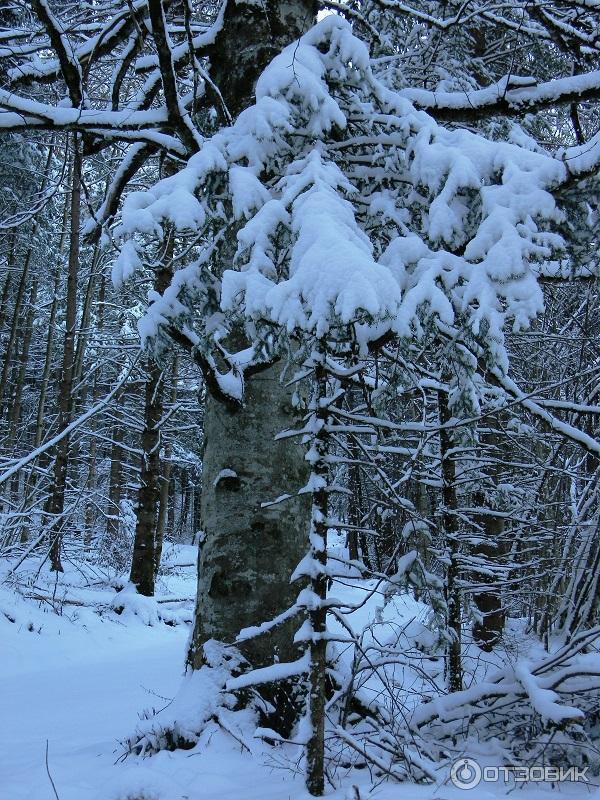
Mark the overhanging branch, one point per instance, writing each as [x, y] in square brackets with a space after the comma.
[509, 97]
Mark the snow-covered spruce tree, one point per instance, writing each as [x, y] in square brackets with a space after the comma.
[358, 219]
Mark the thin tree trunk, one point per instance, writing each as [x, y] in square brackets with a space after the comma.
[90, 509]
[10, 346]
[31, 483]
[143, 558]
[184, 512]
[165, 481]
[355, 508]
[143, 562]
[171, 516]
[7, 282]
[315, 750]
[450, 526]
[57, 500]
[19, 383]
[15, 411]
[83, 335]
[487, 631]
[114, 482]
[12, 336]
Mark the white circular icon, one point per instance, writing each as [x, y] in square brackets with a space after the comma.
[465, 773]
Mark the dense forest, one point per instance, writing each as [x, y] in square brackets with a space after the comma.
[311, 289]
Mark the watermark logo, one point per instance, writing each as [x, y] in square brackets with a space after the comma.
[466, 773]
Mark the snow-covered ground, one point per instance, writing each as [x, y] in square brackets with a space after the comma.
[77, 684]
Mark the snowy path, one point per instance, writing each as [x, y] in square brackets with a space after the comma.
[82, 705]
[83, 690]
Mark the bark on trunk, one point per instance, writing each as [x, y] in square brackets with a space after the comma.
[165, 481]
[487, 631]
[11, 343]
[92, 476]
[142, 563]
[57, 500]
[12, 257]
[17, 400]
[32, 478]
[315, 748]
[17, 483]
[251, 36]
[249, 552]
[358, 544]
[7, 285]
[144, 553]
[454, 675]
[114, 485]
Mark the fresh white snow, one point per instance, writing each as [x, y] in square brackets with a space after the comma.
[82, 682]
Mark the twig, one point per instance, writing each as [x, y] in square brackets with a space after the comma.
[50, 776]
[222, 724]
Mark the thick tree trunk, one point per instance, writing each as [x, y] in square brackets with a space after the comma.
[249, 552]
[487, 631]
[252, 35]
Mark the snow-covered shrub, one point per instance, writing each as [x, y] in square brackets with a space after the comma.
[147, 610]
[543, 712]
[203, 697]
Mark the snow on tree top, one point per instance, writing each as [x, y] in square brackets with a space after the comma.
[351, 207]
